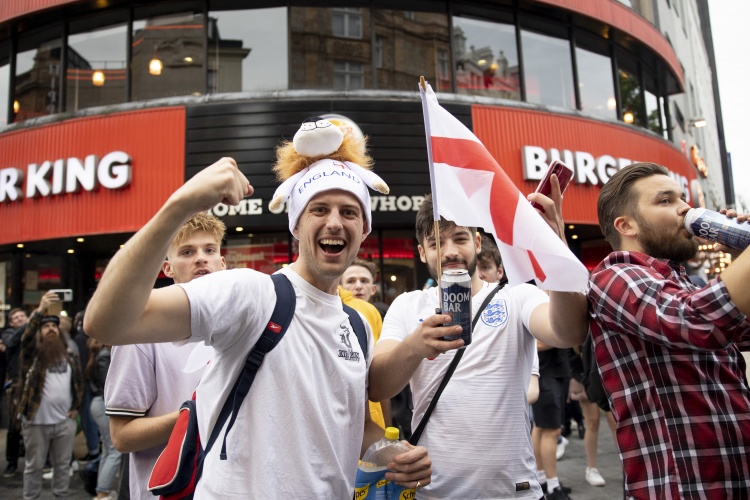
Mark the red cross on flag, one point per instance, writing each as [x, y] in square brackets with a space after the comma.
[470, 189]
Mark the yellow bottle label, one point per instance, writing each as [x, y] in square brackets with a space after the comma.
[361, 492]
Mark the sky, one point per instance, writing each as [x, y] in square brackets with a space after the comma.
[729, 27]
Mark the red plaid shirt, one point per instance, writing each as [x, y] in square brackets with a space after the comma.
[669, 357]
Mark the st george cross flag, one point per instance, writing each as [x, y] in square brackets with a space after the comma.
[470, 189]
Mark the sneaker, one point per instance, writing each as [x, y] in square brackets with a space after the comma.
[10, 470]
[561, 448]
[562, 487]
[558, 494]
[594, 478]
[112, 495]
[47, 476]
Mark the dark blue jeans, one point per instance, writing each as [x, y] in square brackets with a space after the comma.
[90, 429]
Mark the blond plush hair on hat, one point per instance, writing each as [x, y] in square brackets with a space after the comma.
[321, 157]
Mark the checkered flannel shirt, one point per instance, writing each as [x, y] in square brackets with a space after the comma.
[669, 355]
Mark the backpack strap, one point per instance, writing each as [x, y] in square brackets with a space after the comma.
[359, 328]
[281, 316]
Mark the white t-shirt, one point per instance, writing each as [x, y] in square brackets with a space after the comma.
[299, 431]
[147, 380]
[57, 395]
[477, 435]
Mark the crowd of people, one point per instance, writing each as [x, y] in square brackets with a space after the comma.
[656, 354]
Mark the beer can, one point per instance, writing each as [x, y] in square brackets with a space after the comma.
[455, 300]
[717, 227]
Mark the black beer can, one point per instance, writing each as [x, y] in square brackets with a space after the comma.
[455, 300]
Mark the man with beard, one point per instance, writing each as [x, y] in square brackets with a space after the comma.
[52, 391]
[668, 351]
[478, 434]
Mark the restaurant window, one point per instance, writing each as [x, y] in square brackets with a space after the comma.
[168, 56]
[663, 112]
[4, 82]
[97, 67]
[651, 100]
[38, 75]
[595, 85]
[378, 51]
[548, 70]
[321, 61]
[485, 57]
[346, 22]
[248, 50]
[348, 75]
[632, 105]
[408, 47]
[266, 253]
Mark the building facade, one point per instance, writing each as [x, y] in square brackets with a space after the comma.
[107, 107]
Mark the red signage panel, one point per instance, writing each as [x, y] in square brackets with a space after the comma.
[522, 140]
[68, 179]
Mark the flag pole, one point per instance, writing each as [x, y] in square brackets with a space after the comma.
[435, 213]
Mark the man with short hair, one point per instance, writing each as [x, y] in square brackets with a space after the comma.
[478, 434]
[304, 423]
[11, 338]
[52, 391]
[147, 383]
[359, 278]
[489, 261]
[354, 290]
[669, 351]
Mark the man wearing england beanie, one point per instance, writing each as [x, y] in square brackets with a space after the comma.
[304, 423]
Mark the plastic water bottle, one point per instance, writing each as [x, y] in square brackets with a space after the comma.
[381, 453]
[370, 483]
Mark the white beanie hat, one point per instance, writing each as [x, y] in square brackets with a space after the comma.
[319, 137]
[328, 175]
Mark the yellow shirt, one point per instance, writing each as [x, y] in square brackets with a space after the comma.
[372, 316]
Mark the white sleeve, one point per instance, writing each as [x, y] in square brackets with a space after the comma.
[226, 304]
[130, 389]
[528, 297]
[395, 324]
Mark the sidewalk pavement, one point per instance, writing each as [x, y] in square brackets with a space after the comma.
[571, 469]
[12, 487]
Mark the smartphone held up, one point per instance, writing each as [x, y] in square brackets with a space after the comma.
[65, 295]
[564, 175]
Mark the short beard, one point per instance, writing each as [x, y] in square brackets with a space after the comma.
[656, 245]
[50, 351]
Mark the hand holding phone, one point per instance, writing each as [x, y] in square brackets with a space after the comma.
[65, 295]
[564, 175]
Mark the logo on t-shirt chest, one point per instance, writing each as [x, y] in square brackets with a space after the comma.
[495, 314]
[348, 354]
